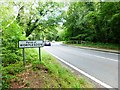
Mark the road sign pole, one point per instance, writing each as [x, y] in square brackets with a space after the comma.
[30, 44]
[23, 57]
[39, 54]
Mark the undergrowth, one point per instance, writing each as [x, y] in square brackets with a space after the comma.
[60, 76]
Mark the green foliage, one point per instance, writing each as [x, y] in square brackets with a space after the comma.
[18, 67]
[87, 21]
[93, 21]
[41, 19]
[9, 72]
[20, 20]
[99, 45]
[30, 55]
[10, 37]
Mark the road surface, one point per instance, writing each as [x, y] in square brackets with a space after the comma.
[101, 65]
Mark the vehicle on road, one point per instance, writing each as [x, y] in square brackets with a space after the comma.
[47, 43]
[53, 41]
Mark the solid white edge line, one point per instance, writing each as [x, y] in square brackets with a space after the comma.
[103, 57]
[82, 72]
[102, 51]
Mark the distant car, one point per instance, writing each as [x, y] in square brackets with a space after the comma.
[53, 41]
[47, 43]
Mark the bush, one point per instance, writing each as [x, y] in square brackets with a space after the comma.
[10, 37]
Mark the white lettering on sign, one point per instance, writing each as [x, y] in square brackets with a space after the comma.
[30, 44]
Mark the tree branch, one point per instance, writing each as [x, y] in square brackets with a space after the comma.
[15, 17]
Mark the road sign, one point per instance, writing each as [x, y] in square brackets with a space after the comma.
[30, 44]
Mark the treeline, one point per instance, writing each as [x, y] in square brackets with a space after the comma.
[93, 21]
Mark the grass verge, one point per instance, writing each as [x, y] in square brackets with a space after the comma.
[45, 74]
[64, 77]
[108, 46]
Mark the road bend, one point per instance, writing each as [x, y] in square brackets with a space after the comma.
[101, 65]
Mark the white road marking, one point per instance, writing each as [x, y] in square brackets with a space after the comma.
[109, 52]
[82, 72]
[101, 51]
[102, 57]
[115, 60]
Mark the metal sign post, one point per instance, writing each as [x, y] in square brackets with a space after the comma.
[30, 44]
[39, 54]
[23, 57]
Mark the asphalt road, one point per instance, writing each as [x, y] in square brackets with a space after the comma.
[101, 65]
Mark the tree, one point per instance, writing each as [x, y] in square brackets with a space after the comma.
[93, 21]
[11, 34]
[41, 18]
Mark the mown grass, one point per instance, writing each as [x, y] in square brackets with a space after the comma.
[109, 46]
[55, 74]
